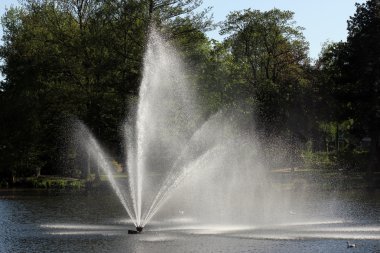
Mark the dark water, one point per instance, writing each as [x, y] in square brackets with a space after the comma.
[74, 222]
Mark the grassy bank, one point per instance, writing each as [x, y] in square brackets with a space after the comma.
[285, 178]
[58, 182]
[48, 182]
[327, 180]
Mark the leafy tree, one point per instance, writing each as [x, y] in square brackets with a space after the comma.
[362, 72]
[80, 59]
[269, 63]
[351, 76]
[332, 110]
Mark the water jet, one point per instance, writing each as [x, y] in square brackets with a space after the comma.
[176, 157]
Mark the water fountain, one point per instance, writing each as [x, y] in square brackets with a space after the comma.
[187, 176]
[169, 144]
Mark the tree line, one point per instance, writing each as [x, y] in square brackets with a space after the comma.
[66, 59]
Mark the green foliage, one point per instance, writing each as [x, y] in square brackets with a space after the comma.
[52, 183]
[316, 160]
[268, 57]
[351, 69]
[77, 59]
[82, 59]
[351, 160]
[347, 160]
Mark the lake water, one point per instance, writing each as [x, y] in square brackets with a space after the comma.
[40, 221]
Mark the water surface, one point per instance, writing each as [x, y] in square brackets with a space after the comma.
[34, 221]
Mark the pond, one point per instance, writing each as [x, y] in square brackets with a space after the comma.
[41, 221]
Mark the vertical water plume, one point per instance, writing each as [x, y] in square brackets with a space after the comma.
[169, 149]
[165, 116]
[130, 138]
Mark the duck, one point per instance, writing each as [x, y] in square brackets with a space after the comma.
[351, 245]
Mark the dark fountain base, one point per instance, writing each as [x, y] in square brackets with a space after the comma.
[137, 231]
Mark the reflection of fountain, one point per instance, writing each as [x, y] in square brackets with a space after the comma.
[169, 146]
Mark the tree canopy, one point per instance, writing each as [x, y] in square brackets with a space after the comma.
[65, 59]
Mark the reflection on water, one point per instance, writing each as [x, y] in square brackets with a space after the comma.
[96, 222]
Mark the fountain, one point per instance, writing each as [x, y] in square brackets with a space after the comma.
[205, 166]
[187, 176]
[137, 231]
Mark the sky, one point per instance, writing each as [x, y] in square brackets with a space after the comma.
[323, 20]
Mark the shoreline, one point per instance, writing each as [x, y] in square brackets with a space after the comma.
[284, 178]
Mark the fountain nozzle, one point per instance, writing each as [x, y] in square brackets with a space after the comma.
[137, 231]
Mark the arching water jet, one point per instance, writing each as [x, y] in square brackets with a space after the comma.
[170, 146]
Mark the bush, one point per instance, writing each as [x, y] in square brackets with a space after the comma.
[3, 184]
[351, 160]
[317, 160]
[54, 183]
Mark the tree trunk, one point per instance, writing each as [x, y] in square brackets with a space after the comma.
[337, 137]
[151, 9]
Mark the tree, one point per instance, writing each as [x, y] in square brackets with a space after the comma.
[81, 59]
[351, 75]
[330, 94]
[270, 56]
[362, 71]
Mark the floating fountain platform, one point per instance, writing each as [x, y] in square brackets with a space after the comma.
[137, 231]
